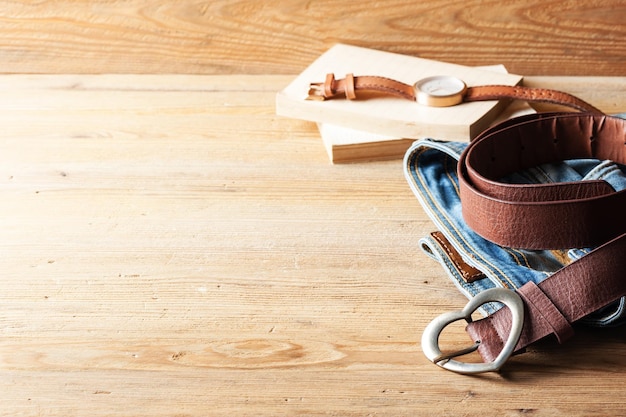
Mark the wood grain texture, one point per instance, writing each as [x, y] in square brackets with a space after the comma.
[171, 247]
[536, 37]
[385, 115]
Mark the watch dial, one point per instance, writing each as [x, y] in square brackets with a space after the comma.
[441, 86]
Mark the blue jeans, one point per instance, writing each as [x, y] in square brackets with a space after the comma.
[430, 169]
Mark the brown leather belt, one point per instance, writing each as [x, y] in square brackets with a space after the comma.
[547, 216]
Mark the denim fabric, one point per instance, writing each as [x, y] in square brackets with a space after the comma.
[430, 169]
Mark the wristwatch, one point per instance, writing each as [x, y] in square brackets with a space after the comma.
[440, 91]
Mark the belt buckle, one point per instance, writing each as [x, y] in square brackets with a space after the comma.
[430, 337]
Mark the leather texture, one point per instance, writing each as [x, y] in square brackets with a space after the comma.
[543, 95]
[347, 88]
[548, 216]
[468, 272]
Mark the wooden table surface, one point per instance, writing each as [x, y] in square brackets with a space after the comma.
[171, 247]
[531, 37]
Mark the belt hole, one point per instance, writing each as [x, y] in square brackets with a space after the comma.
[555, 141]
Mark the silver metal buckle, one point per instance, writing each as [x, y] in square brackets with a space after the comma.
[430, 337]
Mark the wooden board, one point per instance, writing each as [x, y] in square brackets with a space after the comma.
[531, 37]
[170, 247]
[345, 145]
[352, 145]
[391, 115]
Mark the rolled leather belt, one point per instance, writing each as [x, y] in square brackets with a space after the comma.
[548, 216]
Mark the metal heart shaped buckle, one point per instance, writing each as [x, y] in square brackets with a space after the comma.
[430, 337]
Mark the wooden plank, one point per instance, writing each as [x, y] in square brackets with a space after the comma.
[345, 145]
[534, 37]
[391, 115]
[170, 247]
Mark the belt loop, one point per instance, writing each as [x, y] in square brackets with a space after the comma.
[537, 300]
[350, 94]
[329, 91]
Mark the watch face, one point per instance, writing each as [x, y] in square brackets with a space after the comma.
[440, 91]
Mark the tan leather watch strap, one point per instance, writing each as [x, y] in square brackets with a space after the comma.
[496, 92]
[561, 215]
[349, 86]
